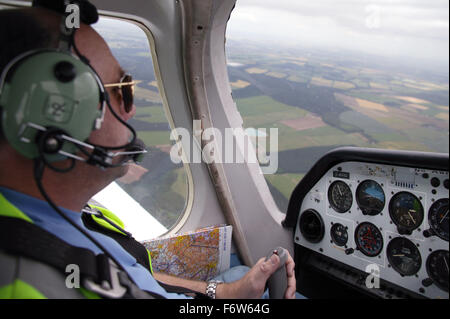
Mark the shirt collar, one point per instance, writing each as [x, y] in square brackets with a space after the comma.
[35, 208]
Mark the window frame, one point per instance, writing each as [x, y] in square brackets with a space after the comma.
[140, 23]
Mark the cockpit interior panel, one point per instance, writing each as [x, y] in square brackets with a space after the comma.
[380, 225]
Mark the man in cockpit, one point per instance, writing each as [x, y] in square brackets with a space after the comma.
[34, 190]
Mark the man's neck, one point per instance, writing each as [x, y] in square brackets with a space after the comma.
[71, 190]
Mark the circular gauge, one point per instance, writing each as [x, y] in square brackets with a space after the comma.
[369, 239]
[438, 218]
[370, 197]
[406, 211]
[311, 226]
[339, 234]
[437, 268]
[404, 256]
[340, 196]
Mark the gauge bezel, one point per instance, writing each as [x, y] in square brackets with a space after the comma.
[362, 249]
[430, 273]
[369, 211]
[332, 234]
[393, 216]
[432, 223]
[392, 261]
[348, 190]
[320, 231]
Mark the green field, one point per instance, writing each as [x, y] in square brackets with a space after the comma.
[154, 138]
[285, 183]
[151, 114]
[264, 109]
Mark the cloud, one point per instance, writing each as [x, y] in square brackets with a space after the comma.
[411, 28]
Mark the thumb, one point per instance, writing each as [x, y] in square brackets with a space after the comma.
[269, 266]
[254, 282]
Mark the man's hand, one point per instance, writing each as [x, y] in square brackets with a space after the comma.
[252, 285]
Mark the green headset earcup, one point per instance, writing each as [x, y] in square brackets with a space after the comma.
[49, 89]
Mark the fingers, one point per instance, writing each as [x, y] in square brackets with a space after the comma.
[291, 281]
[268, 267]
[257, 277]
[252, 285]
[290, 266]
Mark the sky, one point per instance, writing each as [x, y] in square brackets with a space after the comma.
[415, 29]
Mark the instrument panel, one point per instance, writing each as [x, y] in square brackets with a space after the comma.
[390, 218]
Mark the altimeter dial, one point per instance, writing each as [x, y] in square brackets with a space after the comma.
[340, 197]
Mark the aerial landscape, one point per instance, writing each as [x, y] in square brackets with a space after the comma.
[318, 100]
[322, 100]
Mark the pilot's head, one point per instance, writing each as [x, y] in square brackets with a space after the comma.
[25, 30]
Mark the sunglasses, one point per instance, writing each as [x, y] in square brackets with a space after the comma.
[126, 84]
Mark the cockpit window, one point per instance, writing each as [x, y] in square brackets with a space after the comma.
[340, 73]
[152, 197]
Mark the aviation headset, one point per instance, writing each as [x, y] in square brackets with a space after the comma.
[49, 99]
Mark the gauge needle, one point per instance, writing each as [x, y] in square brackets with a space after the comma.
[409, 213]
[443, 217]
[339, 189]
[399, 255]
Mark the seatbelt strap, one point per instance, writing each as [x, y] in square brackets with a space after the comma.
[98, 272]
[26, 239]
